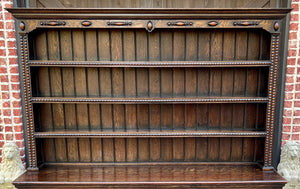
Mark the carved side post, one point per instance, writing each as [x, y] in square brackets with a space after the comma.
[29, 123]
[272, 90]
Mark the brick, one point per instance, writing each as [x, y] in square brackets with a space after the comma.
[6, 105]
[22, 153]
[4, 78]
[292, 52]
[287, 129]
[296, 128]
[8, 129]
[19, 136]
[2, 52]
[12, 52]
[293, 44]
[296, 121]
[5, 95]
[14, 61]
[15, 86]
[10, 25]
[16, 104]
[294, 17]
[294, 26]
[10, 34]
[2, 61]
[289, 79]
[2, 43]
[11, 44]
[288, 96]
[3, 70]
[8, 16]
[7, 121]
[15, 70]
[286, 120]
[18, 128]
[296, 103]
[285, 136]
[14, 78]
[1, 136]
[291, 61]
[293, 35]
[295, 137]
[16, 95]
[9, 136]
[297, 113]
[4, 88]
[297, 87]
[289, 87]
[287, 113]
[288, 104]
[6, 112]
[295, 7]
[17, 120]
[20, 144]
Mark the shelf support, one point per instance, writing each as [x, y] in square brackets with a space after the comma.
[272, 93]
[29, 123]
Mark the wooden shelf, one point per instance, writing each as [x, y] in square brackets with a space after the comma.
[168, 64]
[151, 176]
[149, 100]
[148, 134]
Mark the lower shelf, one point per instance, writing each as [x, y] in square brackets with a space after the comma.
[151, 176]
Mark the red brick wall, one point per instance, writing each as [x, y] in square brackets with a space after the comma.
[11, 128]
[291, 117]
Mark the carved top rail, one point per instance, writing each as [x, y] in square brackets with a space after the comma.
[30, 19]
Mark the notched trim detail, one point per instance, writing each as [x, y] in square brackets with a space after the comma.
[53, 23]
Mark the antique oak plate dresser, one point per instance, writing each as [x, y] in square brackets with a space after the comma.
[149, 98]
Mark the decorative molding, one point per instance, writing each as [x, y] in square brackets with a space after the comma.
[150, 26]
[22, 26]
[29, 124]
[116, 23]
[212, 23]
[53, 23]
[86, 23]
[272, 89]
[246, 23]
[180, 23]
[276, 26]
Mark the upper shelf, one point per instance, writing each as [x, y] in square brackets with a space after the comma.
[150, 63]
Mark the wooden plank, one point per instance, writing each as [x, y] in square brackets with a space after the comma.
[96, 148]
[131, 150]
[204, 45]
[143, 149]
[248, 149]
[155, 146]
[203, 75]
[201, 149]
[202, 116]
[189, 148]
[178, 149]
[214, 149]
[166, 149]
[119, 150]
[237, 149]
[108, 150]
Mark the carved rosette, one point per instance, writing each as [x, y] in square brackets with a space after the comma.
[272, 89]
[27, 105]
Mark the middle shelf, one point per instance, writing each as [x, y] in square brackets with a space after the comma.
[149, 134]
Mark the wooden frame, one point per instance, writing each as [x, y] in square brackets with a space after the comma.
[269, 20]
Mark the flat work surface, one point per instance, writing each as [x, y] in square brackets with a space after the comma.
[212, 176]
